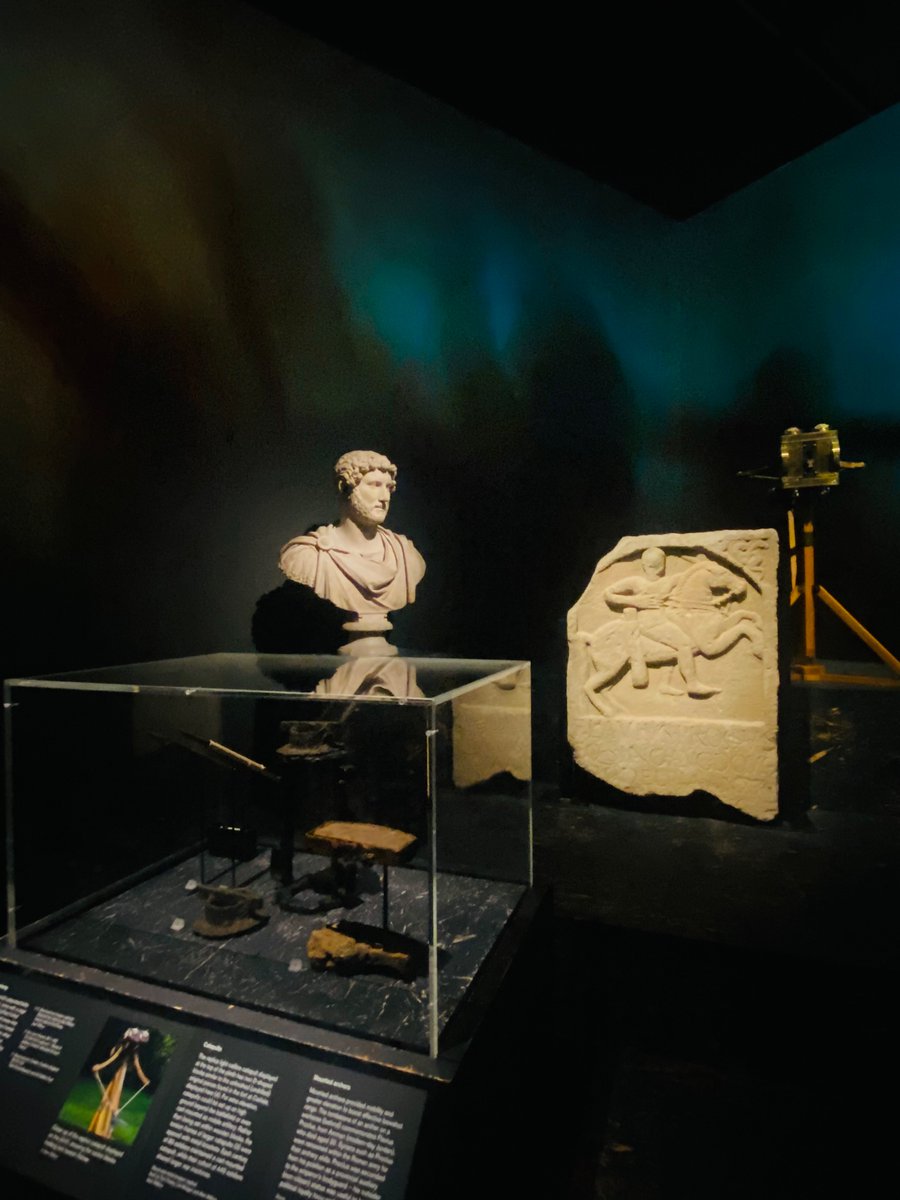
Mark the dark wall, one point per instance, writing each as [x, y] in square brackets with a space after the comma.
[229, 256]
[791, 293]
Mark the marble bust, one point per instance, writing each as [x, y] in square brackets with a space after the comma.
[357, 565]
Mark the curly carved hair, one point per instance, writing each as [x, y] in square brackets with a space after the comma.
[351, 467]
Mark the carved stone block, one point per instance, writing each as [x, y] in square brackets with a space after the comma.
[492, 731]
[672, 682]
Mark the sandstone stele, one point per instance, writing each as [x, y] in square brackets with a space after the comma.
[672, 683]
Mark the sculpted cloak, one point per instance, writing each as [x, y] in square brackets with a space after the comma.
[379, 581]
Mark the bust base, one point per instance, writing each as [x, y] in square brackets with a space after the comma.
[367, 645]
[376, 622]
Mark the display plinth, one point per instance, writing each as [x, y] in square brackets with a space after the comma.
[139, 795]
[241, 1103]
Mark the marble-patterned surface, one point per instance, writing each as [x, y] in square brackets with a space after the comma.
[267, 968]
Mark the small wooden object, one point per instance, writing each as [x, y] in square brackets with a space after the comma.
[350, 843]
[371, 843]
[329, 950]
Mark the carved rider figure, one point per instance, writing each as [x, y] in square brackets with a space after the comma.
[645, 600]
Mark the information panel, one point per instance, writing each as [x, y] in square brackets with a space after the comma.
[101, 1100]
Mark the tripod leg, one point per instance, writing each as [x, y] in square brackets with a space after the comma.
[792, 553]
[805, 666]
[860, 630]
[809, 590]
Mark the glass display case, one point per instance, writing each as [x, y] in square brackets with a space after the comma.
[339, 841]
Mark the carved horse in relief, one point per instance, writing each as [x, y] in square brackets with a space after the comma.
[689, 617]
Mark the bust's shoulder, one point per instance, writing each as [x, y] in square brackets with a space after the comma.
[298, 556]
[415, 563]
[314, 539]
[398, 539]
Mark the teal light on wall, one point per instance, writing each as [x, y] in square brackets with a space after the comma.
[402, 303]
[865, 339]
[639, 329]
[501, 287]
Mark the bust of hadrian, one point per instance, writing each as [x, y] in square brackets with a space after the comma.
[357, 565]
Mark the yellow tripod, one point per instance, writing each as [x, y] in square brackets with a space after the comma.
[805, 588]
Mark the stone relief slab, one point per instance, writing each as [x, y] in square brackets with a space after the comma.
[492, 731]
[672, 682]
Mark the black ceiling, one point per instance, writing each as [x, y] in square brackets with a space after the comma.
[679, 103]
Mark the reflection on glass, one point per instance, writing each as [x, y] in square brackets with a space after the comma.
[492, 731]
[373, 677]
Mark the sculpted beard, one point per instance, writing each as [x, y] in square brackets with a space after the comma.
[367, 512]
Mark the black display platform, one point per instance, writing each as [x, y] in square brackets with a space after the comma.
[132, 934]
[241, 1103]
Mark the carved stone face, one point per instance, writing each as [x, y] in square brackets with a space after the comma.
[653, 560]
[371, 498]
